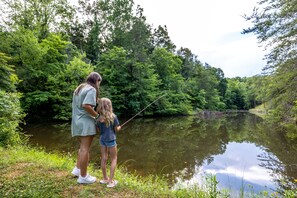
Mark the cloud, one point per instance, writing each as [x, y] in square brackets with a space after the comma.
[236, 58]
[212, 30]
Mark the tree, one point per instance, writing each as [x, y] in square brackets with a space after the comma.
[26, 55]
[168, 66]
[38, 66]
[38, 16]
[275, 26]
[274, 23]
[130, 84]
[162, 39]
[256, 90]
[62, 85]
[8, 77]
[139, 38]
[191, 65]
[208, 81]
[94, 45]
[11, 114]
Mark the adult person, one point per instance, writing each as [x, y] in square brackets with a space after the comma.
[83, 123]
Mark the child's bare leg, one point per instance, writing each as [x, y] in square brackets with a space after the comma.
[113, 158]
[104, 156]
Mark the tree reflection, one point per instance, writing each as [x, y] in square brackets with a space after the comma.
[172, 146]
[282, 174]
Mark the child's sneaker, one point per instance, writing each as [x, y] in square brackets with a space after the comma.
[76, 171]
[88, 179]
[112, 184]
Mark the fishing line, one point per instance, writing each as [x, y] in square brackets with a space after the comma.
[144, 109]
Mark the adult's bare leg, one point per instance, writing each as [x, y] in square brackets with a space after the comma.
[85, 144]
[78, 161]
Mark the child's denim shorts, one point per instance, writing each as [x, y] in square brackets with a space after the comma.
[111, 143]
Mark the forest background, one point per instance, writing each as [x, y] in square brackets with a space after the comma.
[48, 48]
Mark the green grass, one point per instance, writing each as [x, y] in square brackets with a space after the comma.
[260, 110]
[31, 172]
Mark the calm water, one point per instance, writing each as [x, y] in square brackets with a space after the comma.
[240, 149]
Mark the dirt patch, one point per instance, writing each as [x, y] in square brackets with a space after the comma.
[59, 174]
[16, 170]
[73, 191]
[97, 190]
[19, 169]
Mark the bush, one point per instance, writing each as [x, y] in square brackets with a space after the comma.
[11, 116]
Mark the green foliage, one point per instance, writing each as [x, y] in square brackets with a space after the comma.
[139, 38]
[162, 39]
[38, 72]
[207, 83]
[26, 55]
[47, 73]
[10, 117]
[256, 91]
[8, 77]
[235, 94]
[42, 17]
[62, 84]
[11, 114]
[167, 66]
[54, 57]
[283, 92]
[137, 64]
[274, 22]
[131, 85]
[93, 46]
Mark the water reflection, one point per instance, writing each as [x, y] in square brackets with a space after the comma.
[236, 169]
[240, 149]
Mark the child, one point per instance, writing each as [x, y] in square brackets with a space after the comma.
[108, 124]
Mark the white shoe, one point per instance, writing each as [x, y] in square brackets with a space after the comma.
[112, 184]
[88, 179]
[76, 171]
[93, 178]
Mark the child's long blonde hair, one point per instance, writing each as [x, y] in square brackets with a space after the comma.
[105, 110]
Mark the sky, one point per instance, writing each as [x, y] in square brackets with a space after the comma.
[211, 30]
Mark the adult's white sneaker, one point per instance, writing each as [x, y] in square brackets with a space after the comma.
[88, 179]
[76, 171]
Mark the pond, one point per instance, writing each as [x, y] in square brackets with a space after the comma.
[243, 151]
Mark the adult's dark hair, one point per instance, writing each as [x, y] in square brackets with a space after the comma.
[92, 80]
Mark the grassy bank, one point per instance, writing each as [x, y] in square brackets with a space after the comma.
[260, 110]
[31, 172]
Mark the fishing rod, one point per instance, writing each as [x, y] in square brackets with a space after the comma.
[144, 109]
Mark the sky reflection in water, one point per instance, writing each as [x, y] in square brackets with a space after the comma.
[238, 167]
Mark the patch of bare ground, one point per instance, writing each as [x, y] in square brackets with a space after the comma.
[16, 170]
[97, 190]
[19, 169]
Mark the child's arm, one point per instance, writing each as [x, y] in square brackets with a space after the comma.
[118, 128]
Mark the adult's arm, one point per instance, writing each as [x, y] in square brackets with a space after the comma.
[90, 110]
